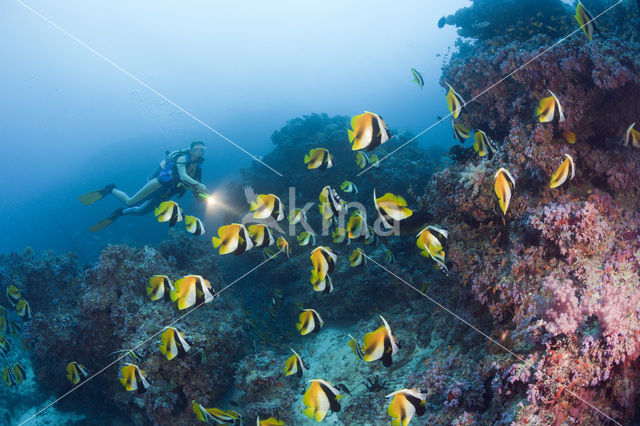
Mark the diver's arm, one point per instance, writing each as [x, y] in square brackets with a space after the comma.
[182, 172]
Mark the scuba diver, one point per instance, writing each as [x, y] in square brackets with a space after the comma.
[179, 171]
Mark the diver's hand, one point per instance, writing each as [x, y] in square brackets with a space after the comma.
[201, 188]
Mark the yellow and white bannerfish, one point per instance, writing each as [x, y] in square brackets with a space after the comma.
[482, 144]
[309, 321]
[133, 378]
[454, 102]
[363, 160]
[297, 216]
[329, 198]
[76, 372]
[368, 131]
[340, 236]
[232, 239]
[321, 397]
[190, 290]
[380, 344]
[284, 246]
[547, 107]
[173, 343]
[348, 186]
[504, 186]
[271, 421]
[294, 365]
[214, 415]
[13, 294]
[566, 170]
[7, 376]
[267, 205]
[390, 208]
[23, 309]
[169, 211]
[405, 404]
[356, 347]
[632, 137]
[460, 131]
[261, 235]
[318, 158]
[305, 238]
[431, 242]
[5, 346]
[324, 262]
[194, 225]
[19, 373]
[389, 257]
[586, 21]
[357, 228]
[159, 286]
[357, 258]
[373, 238]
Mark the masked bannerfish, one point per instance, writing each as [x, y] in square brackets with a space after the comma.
[76, 372]
[169, 211]
[586, 21]
[330, 198]
[380, 344]
[294, 365]
[482, 144]
[405, 404]
[19, 373]
[321, 397]
[391, 207]
[13, 294]
[5, 346]
[357, 228]
[566, 170]
[547, 107]
[23, 309]
[305, 238]
[297, 216]
[159, 286]
[133, 378]
[356, 347]
[504, 186]
[191, 290]
[267, 205]
[348, 186]
[194, 225]
[173, 343]
[632, 137]
[7, 376]
[309, 321]
[214, 415]
[261, 235]
[373, 238]
[460, 131]
[232, 239]
[340, 236]
[318, 158]
[368, 131]
[417, 77]
[357, 258]
[454, 102]
[324, 261]
[431, 241]
[284, 246]
[363, 160]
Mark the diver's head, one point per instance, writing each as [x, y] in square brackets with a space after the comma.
[197, 150]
